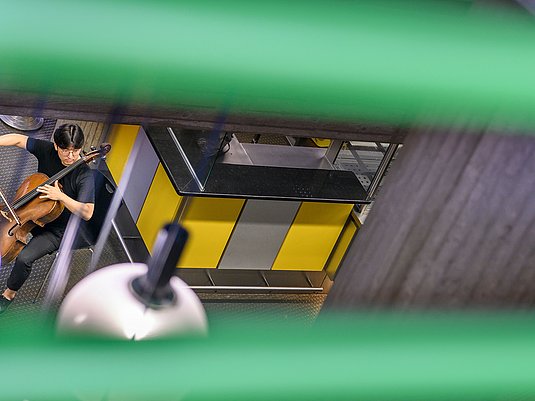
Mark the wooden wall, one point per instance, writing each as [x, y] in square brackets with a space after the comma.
[453, 227]
[94, 132]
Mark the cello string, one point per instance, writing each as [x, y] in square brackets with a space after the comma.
[33, 193]
[30, 195]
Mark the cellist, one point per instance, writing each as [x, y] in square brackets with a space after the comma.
[77, 194]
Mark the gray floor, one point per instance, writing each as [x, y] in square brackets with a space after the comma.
[267, 308]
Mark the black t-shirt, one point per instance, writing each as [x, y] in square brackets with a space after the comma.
[78, 184]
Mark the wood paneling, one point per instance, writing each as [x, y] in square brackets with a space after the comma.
[454, 226]
[94, 132]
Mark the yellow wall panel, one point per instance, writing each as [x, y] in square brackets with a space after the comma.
[312, 236]
[121, 138]
[341, 247]
[209, 222]
[160, 207]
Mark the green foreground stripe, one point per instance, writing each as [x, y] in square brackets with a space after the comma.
[341, 357]
[399, 62]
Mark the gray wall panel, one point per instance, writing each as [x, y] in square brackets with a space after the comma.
[259, 234]
[141, 178]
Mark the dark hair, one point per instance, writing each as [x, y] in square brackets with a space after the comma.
[68, 135]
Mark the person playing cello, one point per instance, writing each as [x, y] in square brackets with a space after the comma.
[77, 194]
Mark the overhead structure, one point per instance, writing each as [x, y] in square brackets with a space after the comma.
[344, 68]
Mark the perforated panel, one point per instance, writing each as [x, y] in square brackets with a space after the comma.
[264, 307]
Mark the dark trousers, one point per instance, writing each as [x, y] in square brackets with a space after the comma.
[43, 243]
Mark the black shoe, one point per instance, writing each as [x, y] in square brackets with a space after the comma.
[4, 303]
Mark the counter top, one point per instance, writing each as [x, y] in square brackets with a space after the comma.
[247, 181]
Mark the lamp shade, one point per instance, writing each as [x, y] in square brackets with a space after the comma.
[104, 304]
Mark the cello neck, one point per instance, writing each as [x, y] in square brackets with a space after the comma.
[59, 175]
[102, 152]
[33, 193]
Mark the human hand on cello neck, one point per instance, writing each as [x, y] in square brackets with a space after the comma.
[53, 192]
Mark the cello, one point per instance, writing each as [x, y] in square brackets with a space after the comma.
[28, 210]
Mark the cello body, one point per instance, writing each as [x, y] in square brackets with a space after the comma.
[36, 212]
[33, 211]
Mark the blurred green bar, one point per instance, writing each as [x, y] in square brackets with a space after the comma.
[378, 61]
[461, 356]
